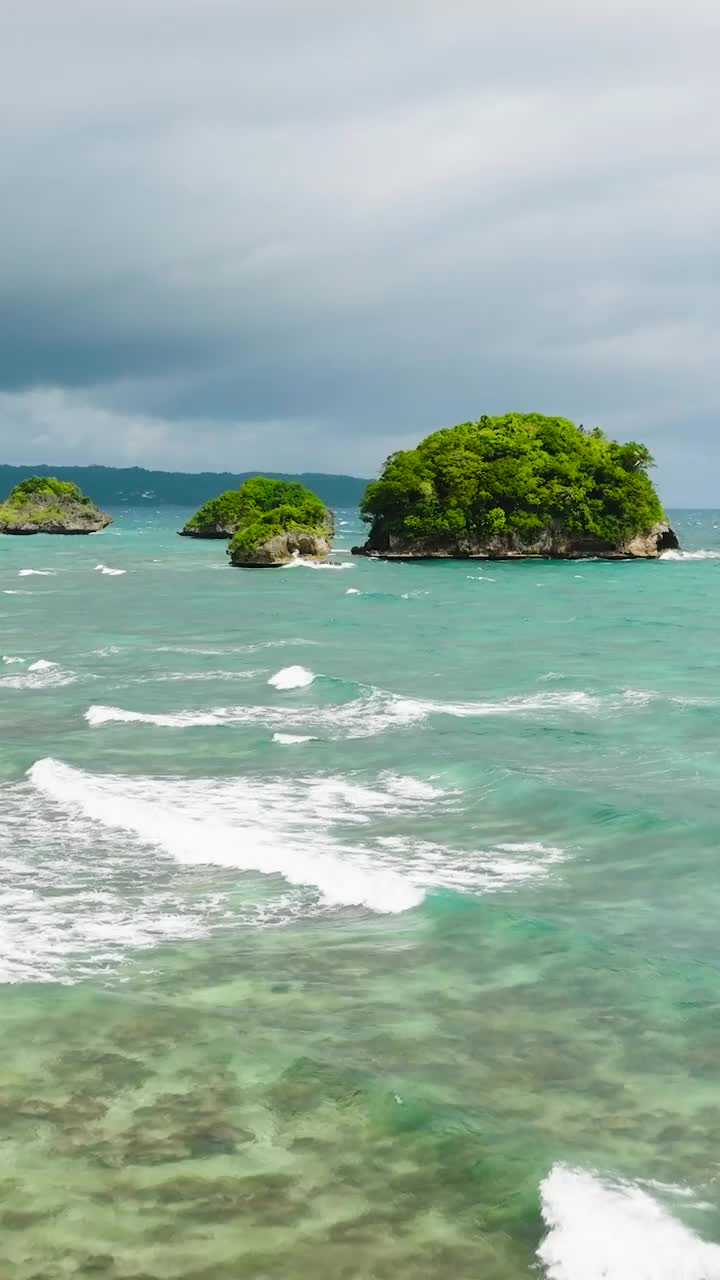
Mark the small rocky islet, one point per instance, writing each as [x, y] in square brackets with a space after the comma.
[519, 486]
[44, 504]
[268, 523]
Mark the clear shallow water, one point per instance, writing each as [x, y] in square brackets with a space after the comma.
[358, 922]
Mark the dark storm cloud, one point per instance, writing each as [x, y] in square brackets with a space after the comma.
[301, 234]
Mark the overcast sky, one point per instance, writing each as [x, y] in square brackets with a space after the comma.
[298, 234]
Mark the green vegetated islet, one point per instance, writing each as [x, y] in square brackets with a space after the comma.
[45, 502]
[259, 510]
[516, 474]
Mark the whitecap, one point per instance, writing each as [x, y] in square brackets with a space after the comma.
[434, 865]
[69, 911]
[291, 739]
[271, 826]
[374, 711]
[113, 573]
[12, 661]
[189, 677]
[690, 555]
[36, 573]
[576, 701]
[611, 1229]
[353, 591]
[314, 832]
[292, 678]
[39, 675]
[363, 717]
[299, 563]
[216, 650]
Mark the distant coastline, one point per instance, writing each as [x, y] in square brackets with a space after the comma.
[136, 486]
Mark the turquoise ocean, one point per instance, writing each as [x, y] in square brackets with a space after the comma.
[358, 921]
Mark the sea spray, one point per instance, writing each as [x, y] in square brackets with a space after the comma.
[600, 1229]
[292, 678]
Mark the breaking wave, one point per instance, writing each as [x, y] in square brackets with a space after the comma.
[373, 711]
[38, 675]
[272, 826]
[114, 573]
[315, 833]
[603, 1229]
[299, 563]
[690, 555]
[36, 573]
[292, 678]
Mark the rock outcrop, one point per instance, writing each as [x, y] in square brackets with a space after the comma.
[43, 504]
[213, 529]
[551, 544]
[281, 549]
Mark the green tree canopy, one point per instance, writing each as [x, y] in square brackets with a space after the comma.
[518, 473]
[45, 486]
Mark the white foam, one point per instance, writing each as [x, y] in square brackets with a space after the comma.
[39, 675]
[11, 661]
[435, 866]
[291, 739]
[185, 677]
[240, 648]
[363, 717]
[374, 711]
[69, 910]
[353, 591]
[273, 826]
[689, 556]
[602, 1229]
[551, 702]
[36, 573]
[292, 678]
[299, 563]
[113, 573]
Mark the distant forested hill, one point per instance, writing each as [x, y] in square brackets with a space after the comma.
[115, 486]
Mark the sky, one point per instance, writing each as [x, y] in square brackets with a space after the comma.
[300, 234]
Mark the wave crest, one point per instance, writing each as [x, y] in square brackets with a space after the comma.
[690, 555]
[296, 677]
[373, 711]
[601, 1229]
[39, 675]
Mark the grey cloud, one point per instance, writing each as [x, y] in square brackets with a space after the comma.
[303, 234]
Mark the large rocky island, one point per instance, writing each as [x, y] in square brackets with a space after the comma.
[268, 522]
[44, 504]
[517, 486]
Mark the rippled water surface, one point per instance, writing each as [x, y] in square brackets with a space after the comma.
[361, 920]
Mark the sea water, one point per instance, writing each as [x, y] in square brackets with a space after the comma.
[358, 920]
